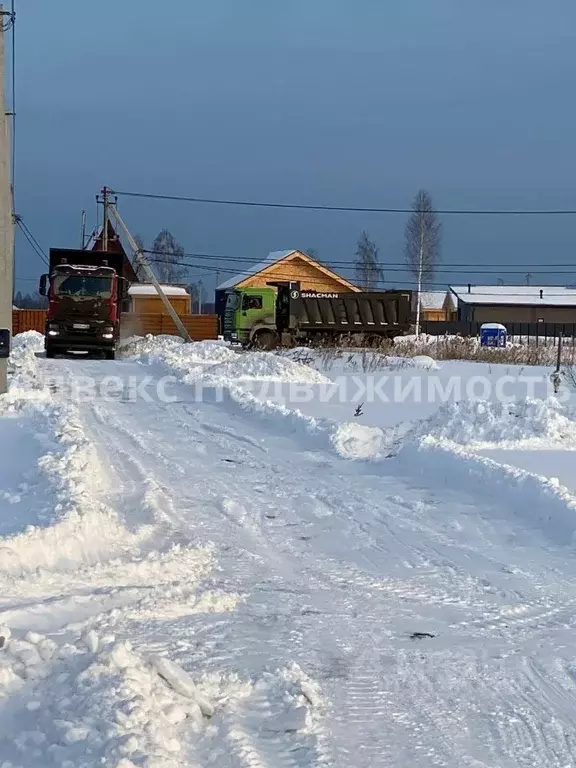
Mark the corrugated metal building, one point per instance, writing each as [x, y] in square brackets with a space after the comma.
[515, 303]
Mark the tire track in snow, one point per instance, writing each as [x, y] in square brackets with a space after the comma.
[400, 709]
[257, 738]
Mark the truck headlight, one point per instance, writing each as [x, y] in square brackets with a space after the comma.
[53, 329]
[108, 332]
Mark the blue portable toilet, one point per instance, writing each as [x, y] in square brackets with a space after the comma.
[493, 335]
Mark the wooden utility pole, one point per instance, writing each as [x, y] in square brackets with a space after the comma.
[6, 217]
[105, 202]
[141, 260]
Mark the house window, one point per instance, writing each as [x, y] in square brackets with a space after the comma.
[252, 302]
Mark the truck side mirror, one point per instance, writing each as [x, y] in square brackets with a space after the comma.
[43, 289]
[124, 288]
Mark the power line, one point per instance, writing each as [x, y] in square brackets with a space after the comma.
[36, 247]
[341, 208]
[383, 282]
[384, 265]
[39, 247]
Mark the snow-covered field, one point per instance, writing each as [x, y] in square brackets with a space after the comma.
[284, 561]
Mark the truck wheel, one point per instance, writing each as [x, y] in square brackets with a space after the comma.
[266, 340]
[50, 353]
[110, 354]
[373, 341]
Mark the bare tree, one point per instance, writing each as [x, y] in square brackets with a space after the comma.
[422, 238]
[197, 292]
[167, 255]
[368, 270]
[30, 301]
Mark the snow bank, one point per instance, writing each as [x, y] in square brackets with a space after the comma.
[350, 440]
[540, 502]
[24, 344]
[172, 351]
[97, 701]
[23, 381]
[263, 366]
[485, 423]
[94, 702]
[77, 528]
[216, 364]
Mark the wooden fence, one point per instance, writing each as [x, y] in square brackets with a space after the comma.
[28, 320]
[200, 327]
[532, 333]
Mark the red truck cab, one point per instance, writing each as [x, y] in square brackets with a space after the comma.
[84, 306]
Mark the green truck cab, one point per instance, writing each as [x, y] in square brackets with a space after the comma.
[250, 317]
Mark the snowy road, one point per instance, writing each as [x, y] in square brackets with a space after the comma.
[287, 581]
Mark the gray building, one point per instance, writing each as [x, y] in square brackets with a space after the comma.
[515, 303]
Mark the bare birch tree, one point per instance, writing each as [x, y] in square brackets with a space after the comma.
[422, 240]
[368, 271]
[167, 256]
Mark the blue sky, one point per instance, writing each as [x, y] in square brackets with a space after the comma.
[309, 101]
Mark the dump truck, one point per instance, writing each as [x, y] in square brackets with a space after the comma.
[85, 291]
[282, 314]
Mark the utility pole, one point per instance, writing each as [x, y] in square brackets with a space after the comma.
[83, 230]
[142, 261]
[6, 213]
[105, 203]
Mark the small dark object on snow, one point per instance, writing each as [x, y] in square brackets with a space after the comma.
[2, 641]
[358, 411]
[420, 635]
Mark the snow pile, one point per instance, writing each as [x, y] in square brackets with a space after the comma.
[278, 720]
[172, 351]
[24, 345]
[94, 702]
[23, 382]
[213, 363]
[263, 366]
[295, 696]
[81, 529]
[538, 501]
[356, 441]
[481, 422]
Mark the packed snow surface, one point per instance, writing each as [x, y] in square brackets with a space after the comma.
[250, 576]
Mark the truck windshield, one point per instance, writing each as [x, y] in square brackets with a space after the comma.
[83, 285]
[233, 301]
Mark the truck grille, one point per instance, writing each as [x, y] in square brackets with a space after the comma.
[229, 321]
